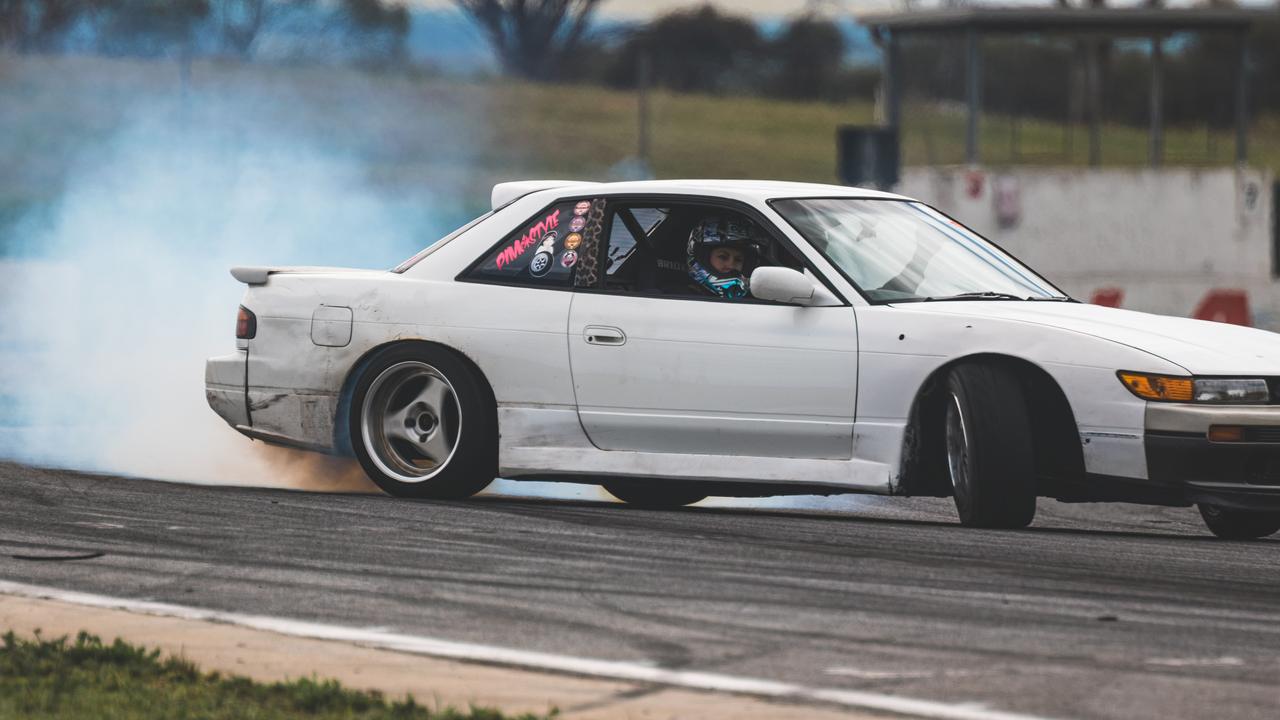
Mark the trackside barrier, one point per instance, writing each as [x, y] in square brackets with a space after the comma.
[1226, 306]
[1200, 242]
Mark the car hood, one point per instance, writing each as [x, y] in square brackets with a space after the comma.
[1200, 346]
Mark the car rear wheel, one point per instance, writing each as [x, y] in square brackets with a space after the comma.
[422, 425]
[988, 447]
[654, 496]
[1239, 524]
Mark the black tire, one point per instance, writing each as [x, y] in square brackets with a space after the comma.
[1239, 524]
[988, 446]
[464, 417]
[654, 496]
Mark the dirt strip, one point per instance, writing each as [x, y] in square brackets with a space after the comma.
[268, 656]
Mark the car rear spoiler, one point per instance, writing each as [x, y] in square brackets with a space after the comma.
[258, 275]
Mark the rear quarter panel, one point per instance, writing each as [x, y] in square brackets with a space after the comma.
[516, 336]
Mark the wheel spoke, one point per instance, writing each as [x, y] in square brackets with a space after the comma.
[436, 446]
[433, 395]
[395, 424]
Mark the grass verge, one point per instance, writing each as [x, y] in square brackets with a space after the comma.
[86, 677]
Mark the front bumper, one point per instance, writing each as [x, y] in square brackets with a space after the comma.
[1182, 460]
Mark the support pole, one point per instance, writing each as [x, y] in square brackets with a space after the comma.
[1242, 101]
[1093, 90]
[1156, 150]
[893, 84]
[973, 78]
[643, 72]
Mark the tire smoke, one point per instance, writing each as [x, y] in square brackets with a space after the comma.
[115, 295]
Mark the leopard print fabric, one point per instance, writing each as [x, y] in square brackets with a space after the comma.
[587, 273]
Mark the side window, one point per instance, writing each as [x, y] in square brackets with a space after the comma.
[555, 248]
[622, 245]
[629, 245]
[649, 251]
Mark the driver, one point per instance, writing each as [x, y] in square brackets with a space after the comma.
[722, 253]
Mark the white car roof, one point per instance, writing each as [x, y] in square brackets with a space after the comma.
[754, 191]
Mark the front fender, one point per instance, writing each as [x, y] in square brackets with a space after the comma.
[901, 349]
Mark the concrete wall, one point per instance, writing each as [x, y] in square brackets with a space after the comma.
[1179, 241]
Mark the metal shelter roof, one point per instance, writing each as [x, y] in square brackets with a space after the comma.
[1090, 25]
[1136, 22]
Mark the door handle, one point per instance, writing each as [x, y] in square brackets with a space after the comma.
[604, 335]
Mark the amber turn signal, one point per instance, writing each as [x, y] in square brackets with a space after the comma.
[1226, 433]
[1159, 387]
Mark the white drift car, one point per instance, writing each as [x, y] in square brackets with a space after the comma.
[678, 339]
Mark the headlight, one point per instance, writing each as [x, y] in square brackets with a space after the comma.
[1232, 391]
[1165, 388]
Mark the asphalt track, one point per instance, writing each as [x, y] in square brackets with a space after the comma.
[1095, 612]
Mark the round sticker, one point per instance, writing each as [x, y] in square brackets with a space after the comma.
[576, 224]
[572, 241]
[569, 258]
[549, 241]
[581, 208]
[540, 263]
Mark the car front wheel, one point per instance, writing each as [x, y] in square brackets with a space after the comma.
[422, 425]
[1239, 524]
[988, 447]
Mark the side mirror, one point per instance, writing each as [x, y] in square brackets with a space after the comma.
[784, 285]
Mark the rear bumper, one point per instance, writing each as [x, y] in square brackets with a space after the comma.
[224, 387]
[1183, 462]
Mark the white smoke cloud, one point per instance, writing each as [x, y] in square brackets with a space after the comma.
[121, 294]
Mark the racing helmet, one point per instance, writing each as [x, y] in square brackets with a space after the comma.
[720, 231]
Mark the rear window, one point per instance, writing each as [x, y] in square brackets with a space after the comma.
[432, 247]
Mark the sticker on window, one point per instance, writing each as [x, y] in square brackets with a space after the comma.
[512, 252]
[544, 251]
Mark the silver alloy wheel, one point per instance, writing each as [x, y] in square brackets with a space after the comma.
[411, 421]
[957, 444]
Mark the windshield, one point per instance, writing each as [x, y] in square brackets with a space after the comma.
[902, 251]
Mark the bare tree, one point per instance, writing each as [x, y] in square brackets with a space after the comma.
[531, 37]
[13, 23]
[32, 24]
[240, 22]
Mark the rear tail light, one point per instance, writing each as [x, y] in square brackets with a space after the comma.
[246, 324]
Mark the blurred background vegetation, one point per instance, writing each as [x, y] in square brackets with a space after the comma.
[819, 54]
[460, 95]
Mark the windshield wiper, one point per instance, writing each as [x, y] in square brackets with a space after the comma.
[993, 295]
[982, 295]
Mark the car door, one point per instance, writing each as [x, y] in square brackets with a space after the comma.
[688, 373]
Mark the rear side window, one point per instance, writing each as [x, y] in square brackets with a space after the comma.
[549, 250]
